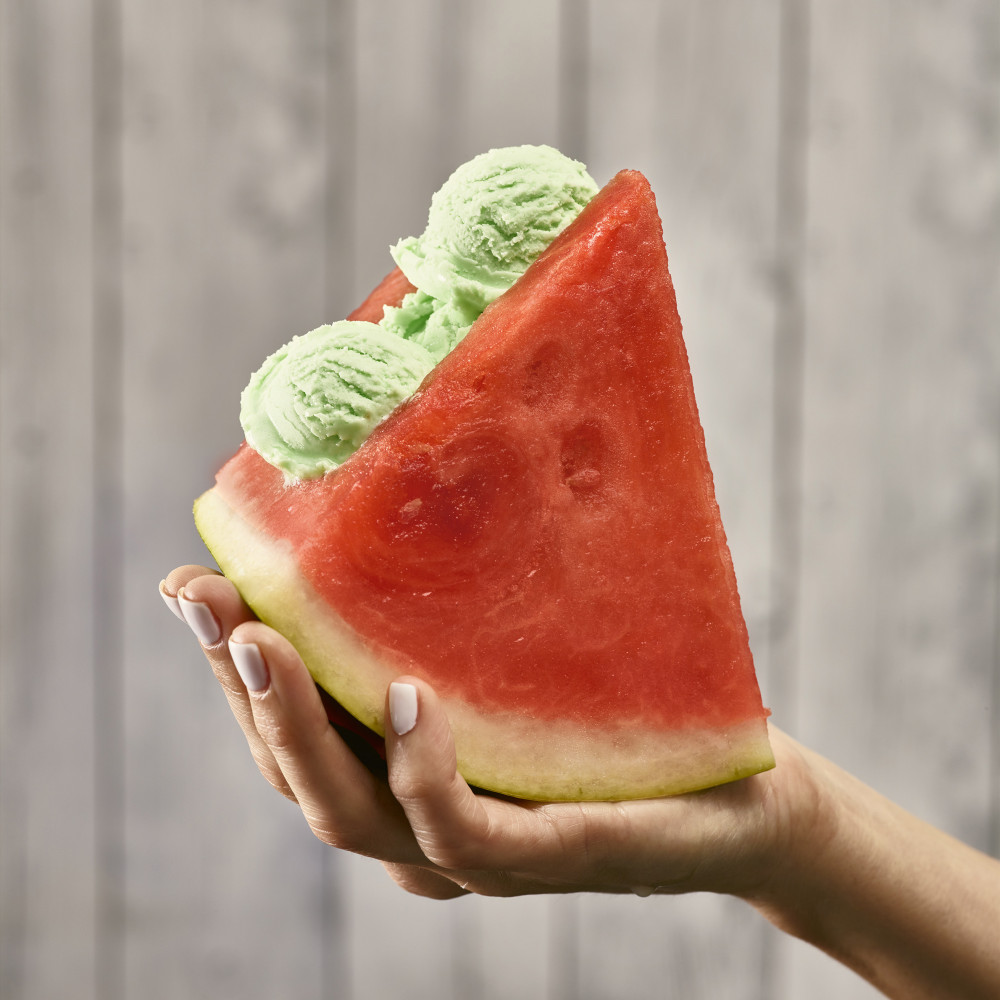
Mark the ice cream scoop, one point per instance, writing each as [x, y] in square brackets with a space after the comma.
[436, 324]
[489, 221]
[312, 402]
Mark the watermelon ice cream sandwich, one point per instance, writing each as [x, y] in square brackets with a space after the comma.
[492, 475]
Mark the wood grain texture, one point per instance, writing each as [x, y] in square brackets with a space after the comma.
[901, 515]
[902, 410]
[49, 883]
[184, 186]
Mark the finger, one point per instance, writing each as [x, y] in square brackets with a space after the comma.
[447, 819]
[212, 607]
[435, 883]
[627, 847]
[424, 882]
[178, 578]
[457, 829]
[345, 804]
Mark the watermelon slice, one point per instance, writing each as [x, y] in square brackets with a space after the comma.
[388, 292]
[534, 532]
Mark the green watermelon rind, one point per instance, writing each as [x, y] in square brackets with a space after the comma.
[511, 754]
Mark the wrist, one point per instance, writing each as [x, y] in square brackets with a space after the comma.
[817, 867]
[906, 906]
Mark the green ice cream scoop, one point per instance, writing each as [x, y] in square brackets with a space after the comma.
[436, 324]
[312, 402]
[490, 220]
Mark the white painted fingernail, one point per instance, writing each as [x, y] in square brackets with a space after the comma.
[402, 707]
[170, 600]
[199, 616]
[250, 664]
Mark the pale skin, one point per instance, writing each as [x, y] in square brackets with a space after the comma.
[819, 854]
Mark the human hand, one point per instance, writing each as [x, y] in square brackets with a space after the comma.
[435, 836]
[818, 853]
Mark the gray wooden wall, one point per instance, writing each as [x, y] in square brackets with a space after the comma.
[186, 184]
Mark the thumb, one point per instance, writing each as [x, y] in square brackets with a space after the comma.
[447, 818]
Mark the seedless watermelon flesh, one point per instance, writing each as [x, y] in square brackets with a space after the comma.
[535, 533]
[388, 292]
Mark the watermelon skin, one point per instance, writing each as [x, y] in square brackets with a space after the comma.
[535, 533]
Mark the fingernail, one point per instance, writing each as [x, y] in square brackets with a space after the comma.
[199, 616]
[250, 664]
[170, 600]
[402, 707]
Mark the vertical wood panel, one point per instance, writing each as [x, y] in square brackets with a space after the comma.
[48, 881]
[402, 80]
[271, 153]
[902, 482]
[902, 409]
[399, 945]
[506, 87]
[341, 174]
[225, 149]
[688, 93]
[109, 501]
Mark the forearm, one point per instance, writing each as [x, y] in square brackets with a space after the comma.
[909, 908]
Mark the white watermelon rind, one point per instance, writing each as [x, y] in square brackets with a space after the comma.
[506, 753]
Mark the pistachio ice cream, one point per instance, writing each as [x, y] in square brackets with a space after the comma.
[489, 221]
[313, 402]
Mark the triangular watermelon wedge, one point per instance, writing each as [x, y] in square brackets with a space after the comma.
[535, 533]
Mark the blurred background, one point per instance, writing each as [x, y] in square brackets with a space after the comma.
[185, 185]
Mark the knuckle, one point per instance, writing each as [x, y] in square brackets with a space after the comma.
[446, 851]
[231, 686]
[409, 788]
[448, 833]
[280, 737]
[334, 834]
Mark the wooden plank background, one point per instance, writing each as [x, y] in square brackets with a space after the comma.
[183, 186]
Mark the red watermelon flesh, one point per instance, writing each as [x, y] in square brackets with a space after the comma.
[388, 292]
[534, 532]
